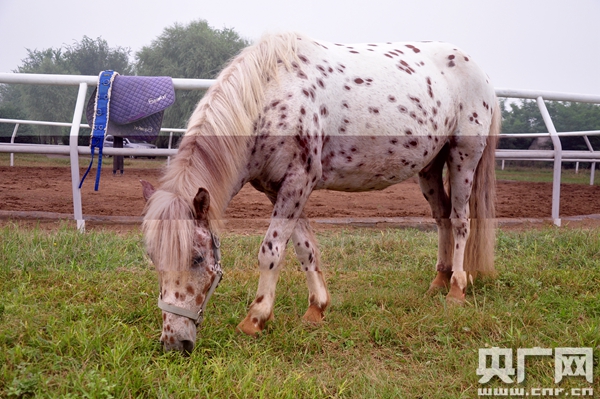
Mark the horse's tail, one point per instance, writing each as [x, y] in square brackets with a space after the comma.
[479, 252]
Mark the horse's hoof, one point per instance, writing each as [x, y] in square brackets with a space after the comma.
[435, 289]
[251, 327]
[441, 282]
[453, 301]
[314, 314]
[456, 296]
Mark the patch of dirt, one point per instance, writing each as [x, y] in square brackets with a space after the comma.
[48, 189]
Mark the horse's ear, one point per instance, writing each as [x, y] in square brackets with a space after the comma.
[147, 189]
[201, 204]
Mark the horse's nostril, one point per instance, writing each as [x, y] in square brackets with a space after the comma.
[188, 346]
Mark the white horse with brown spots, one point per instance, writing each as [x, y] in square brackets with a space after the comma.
[290, 115]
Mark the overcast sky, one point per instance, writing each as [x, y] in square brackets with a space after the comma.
[522, 44]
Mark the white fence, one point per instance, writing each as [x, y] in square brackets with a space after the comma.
[73, 150]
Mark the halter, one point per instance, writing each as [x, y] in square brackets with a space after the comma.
[198, 317]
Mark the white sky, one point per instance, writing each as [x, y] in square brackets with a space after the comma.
[522, 44]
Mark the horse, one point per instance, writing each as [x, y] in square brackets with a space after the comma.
[291, 115]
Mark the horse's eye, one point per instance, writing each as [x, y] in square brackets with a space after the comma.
[198, 260]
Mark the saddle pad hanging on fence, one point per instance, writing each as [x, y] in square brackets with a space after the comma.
[137, 104]
[129, 106]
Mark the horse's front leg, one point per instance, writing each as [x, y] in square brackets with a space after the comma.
[287, 209]
[307, 253]
[270, 259]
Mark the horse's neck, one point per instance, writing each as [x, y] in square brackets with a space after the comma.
[216, 163]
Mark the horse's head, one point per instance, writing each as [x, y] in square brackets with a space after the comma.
[186, 255]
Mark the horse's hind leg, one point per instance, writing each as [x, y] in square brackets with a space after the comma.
[307, 253]
[464, 156]
[432, 186]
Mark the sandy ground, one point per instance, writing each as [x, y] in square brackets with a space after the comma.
[26, 191]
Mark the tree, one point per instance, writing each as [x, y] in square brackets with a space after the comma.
[37, 102]
[90, 57]
[56, 103]
[519, 118]
[573, 117]
[525, 117]
[195, 51]
[24, 133]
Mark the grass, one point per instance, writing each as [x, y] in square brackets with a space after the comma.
[78, 318]
[544, 174]
[36, 160]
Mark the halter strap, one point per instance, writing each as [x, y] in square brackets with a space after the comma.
[198, 317]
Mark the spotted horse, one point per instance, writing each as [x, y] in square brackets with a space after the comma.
[291, 115]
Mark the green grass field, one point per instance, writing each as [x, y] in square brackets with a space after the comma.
[36, 160]
[78, 318]
[544, 174]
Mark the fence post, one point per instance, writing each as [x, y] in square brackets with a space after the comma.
[74, 154]
[593, 165]
[118, 163]
[557, 160]
[12, 141]
[169, 147]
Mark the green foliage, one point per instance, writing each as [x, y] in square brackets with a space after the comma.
[80, 318]
[12, 111]
[544, 173]
[195, 51]
[525, 117]
[90, 57]
[56, 103]
[37, 102]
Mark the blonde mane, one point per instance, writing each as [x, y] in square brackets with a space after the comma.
[213, 151]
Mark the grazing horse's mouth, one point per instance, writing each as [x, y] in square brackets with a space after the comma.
[197, 316]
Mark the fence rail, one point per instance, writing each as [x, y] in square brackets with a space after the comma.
[557, 155]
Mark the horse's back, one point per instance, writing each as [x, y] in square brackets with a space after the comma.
[385, 85]
[376, 113]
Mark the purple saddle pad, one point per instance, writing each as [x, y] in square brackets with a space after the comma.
[136, 106]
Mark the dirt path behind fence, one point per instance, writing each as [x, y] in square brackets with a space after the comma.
[48, 189]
